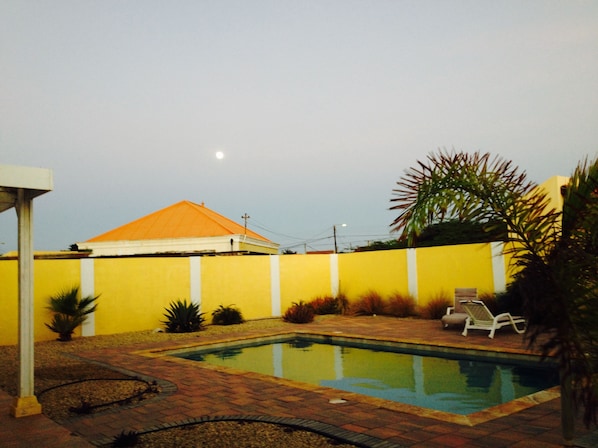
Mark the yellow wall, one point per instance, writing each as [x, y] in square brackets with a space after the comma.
[303, 277]
[243, 281]
[50, 277]
[135, 291]
[552, 187]
[9, 300]
[382, 271]
[442, 269]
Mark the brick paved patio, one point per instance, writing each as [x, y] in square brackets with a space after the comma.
[193, 392]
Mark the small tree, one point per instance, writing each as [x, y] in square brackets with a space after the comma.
[69, 312]
[556, 254]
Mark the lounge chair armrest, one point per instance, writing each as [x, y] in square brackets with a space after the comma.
[508, 316]
[450, 310]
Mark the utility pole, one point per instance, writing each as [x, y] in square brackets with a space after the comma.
[334, 236]
[245, 217]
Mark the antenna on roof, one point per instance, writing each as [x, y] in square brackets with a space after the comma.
[245, 217]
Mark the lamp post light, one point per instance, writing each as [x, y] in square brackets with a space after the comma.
[334, 233]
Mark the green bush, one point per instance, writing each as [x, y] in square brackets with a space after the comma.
[368, 304]
[299, 313]
[400, 305]
[227, 315]
[69, 312]
[183, 317]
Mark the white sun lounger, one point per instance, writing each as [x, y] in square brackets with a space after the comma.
[479, 317]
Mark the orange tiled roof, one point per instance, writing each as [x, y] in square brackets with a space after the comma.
[184, 219]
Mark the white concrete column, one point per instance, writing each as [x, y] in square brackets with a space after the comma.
[275, 285]
[412, 272]
[195, 280]
[88, 328]
[334, 277]
[26, 403]
[498, 267]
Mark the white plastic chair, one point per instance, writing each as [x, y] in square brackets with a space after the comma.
[479, 317]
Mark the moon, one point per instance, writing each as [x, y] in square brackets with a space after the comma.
[219, 155]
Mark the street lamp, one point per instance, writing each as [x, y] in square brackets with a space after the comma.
[334, 233]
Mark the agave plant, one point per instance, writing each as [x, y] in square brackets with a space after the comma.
[70, 311]
[183, 317]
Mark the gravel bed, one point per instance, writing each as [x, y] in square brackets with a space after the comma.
[237, 434]
[64, 383]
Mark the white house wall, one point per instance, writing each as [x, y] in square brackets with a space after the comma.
[179, 245]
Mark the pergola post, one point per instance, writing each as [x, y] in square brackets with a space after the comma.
[18, 187]
[26, 402]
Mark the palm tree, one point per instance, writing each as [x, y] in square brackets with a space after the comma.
[555, 253]
[69, 312]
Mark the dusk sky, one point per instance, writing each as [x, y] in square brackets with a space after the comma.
[318, 106]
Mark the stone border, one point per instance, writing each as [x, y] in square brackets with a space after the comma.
[323, 429]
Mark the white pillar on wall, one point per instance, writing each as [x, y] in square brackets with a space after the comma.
[334, 277]
[498, 267]
[88, 289]
[195, 280]
[412, 272]
[275, 285]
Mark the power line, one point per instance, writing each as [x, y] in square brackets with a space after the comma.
[352, 240]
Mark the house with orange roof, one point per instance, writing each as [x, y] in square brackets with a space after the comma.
[182, 228]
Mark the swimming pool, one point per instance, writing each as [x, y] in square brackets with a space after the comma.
[454, 381]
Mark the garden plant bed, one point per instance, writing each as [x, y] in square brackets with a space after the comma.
[66, 385]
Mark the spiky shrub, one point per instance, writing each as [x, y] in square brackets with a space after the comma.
[436, 308]
[70, 311]
[401, 305]
[368, 304]
[183, 317]
[299, 313]
[227, 315]
[126, 439]
[342, 303]
[325, 305]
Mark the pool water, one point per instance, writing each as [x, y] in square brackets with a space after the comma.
[456, 383]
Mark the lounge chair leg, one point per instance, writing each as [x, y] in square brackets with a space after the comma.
[491, 335]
